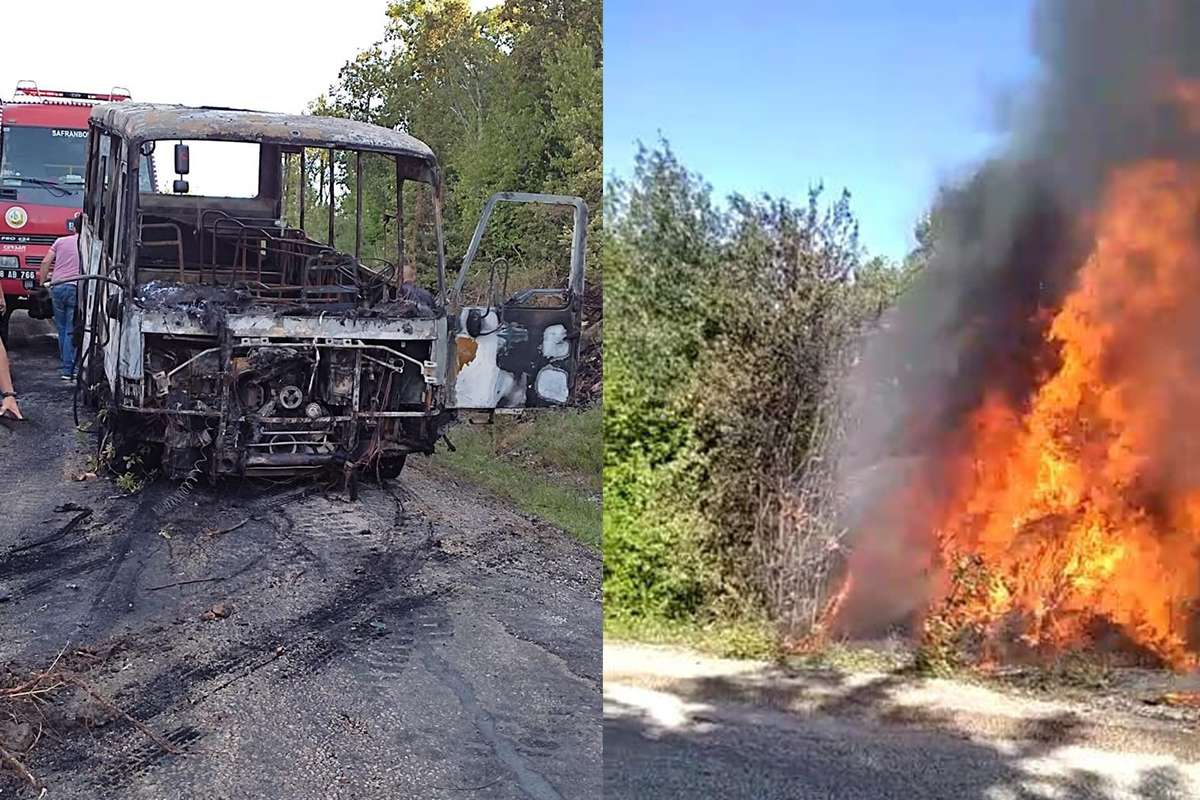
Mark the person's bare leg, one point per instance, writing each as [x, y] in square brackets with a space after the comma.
[8, 404]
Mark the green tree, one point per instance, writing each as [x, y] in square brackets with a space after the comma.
[509, 98]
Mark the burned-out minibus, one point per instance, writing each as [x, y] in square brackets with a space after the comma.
[255, 333]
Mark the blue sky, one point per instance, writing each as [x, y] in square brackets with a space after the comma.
[887, 99]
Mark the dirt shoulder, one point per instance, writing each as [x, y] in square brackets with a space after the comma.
[681, 701]
[545, 462]
[897, 698]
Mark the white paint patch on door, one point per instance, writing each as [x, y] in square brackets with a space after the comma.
[554, 342]
[551, 384]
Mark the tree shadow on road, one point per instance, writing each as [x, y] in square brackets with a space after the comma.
[847, 736]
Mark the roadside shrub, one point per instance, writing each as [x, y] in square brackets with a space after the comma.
[731, 330]
[661, 254]
[952, 634]
[653, 563]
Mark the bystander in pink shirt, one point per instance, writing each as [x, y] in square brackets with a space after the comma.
[66, 257]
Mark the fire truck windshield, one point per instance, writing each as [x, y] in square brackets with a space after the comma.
[43, 165]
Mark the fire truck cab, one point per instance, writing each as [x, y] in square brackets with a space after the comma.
[43, 155]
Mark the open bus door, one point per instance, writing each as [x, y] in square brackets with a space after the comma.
[522, 351]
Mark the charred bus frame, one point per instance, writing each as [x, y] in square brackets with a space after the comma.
[239, 343]
[243, 345]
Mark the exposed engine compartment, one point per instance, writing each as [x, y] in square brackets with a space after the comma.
[266, 406]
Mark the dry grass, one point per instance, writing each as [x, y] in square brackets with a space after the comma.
[29, 701]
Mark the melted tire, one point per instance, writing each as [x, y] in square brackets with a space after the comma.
[390, 467]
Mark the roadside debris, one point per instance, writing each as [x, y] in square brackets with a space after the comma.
[219, 611]
[186, 583]
[1184, 699]
[212, 532]
[30, 705]
[75, 521]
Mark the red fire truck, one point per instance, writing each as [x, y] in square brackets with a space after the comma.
[43, 152]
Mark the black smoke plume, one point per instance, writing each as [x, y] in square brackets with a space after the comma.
[1010, 240]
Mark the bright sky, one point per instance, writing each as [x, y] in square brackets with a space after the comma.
[884, 97]
[273, 55]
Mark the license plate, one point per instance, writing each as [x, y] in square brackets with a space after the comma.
[19, 274]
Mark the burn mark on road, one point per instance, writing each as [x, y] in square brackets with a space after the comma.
[532, 782]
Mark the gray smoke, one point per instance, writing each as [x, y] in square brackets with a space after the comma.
[1009, 246]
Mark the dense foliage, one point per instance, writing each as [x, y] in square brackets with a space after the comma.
[509, 99]
[732, 325]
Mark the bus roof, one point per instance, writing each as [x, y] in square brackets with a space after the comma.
[141, 122]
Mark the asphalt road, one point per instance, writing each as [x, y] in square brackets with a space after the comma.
[686, 726]
[423, 641]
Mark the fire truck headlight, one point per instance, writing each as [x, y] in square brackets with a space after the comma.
[8, 262]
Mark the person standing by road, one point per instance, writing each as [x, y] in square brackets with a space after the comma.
[62, 263]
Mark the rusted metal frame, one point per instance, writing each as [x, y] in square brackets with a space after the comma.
[177, 241]
[262, 232]
[291, 421]
[321, 420]
[318, 420]
[172, 123]
[297, 443]
[124, 210]
[201, 354]
[258, 253]
[352, 345]
[212, 251]
[399, 221]
[332, 197]
[130, 233]
[281, 246]
[321, 181]
[242, 248]
[441, 250]
[285, 184]
[578, 251]
[303, 182]
[299, 422]
[354, 401]
[382, 363]
[312, 376]
[305, 271]
[394, 414]
[358, 205]
[228, 383]
[181, 411]
[290, 460]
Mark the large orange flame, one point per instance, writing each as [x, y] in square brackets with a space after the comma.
[1085, 504]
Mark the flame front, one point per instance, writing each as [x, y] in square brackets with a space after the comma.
[1084, 503]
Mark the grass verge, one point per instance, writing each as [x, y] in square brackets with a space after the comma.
[740, 639]
[546, 463]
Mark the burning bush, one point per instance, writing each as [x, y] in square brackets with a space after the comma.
[1046, 373]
